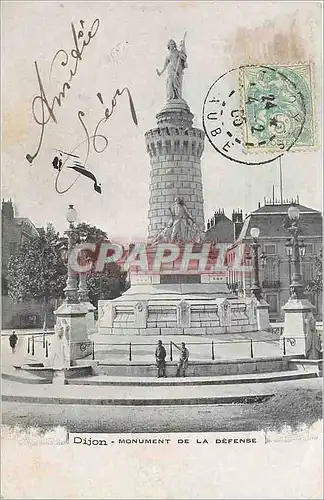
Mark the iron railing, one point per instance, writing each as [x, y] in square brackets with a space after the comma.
[130, 348]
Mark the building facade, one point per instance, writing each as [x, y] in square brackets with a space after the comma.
[276, 266]
[16, 231]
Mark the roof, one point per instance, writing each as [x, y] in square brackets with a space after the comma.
[24, 220]
[282, 208]
[271, 220]
[222, 231]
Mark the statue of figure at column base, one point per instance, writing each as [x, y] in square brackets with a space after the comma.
[60, 348]
[313, 340]
[181, 228]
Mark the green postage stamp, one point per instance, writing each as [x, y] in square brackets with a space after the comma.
[278, 105]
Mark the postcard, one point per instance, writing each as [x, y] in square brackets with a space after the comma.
[161, 249]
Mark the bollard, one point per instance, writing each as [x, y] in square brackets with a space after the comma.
[44, 341]
[28, 345]
[46, 348]
[284, 346]
[170, 351]
[33, 345]
[251, 341]
[213, 353]
[93, 351]
[130, 351]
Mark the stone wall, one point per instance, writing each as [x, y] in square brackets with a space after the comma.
[195, 368]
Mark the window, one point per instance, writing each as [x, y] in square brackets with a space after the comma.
[270, 249]
[309, 249]
[270, 273]
[307, 271]
[273, 302]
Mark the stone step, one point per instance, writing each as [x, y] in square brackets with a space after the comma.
[105, 380]
[23, 377]
[52, 394]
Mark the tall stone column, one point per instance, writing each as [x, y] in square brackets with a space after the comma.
[175, 148]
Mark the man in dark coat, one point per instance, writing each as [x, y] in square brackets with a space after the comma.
[13, 339]
[160, 355]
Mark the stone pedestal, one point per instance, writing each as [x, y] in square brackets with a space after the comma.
[73, 316]
[262, 312]
[188, 294]
[293, 341]
[90, 318]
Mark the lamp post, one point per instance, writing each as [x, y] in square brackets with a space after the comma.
[71, 289]
[288, 248]
[262, 308]
[299, 330]
[295, 250]
[83, 288]
[71, 315]
[84, 291]
[255, 288]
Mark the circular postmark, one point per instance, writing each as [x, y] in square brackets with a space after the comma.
[253, 114]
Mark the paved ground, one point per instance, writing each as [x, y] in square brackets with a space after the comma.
[79, 418]
[186, 418]
[107, 395]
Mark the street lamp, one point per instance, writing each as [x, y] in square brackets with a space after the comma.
[295, 250]
[289, 252]
[83, 288]
[302, 249]
[71, 289]
[255, 289]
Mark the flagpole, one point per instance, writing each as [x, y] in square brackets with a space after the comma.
[280, 180]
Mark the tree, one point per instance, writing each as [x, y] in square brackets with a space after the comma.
[111, 282]
[89, 233]
[37, 271]
[316, 284]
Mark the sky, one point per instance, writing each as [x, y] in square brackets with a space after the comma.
[128, 44]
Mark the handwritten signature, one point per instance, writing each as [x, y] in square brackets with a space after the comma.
[92, 141]
[44, 109]
[47, 109]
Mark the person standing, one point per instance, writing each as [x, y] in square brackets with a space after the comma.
[176, 62]
[160, 355]
[183, 360]
[13, 339]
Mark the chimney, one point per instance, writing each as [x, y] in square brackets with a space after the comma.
[217, 215]
[237, 219]
[7, 209]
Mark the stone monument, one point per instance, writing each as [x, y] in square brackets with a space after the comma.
[300, 336]
[176, 299]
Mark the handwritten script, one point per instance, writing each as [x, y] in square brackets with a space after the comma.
[44, 107]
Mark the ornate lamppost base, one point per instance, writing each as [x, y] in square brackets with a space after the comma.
[74, 317]
[297, 313]
[263, 320]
